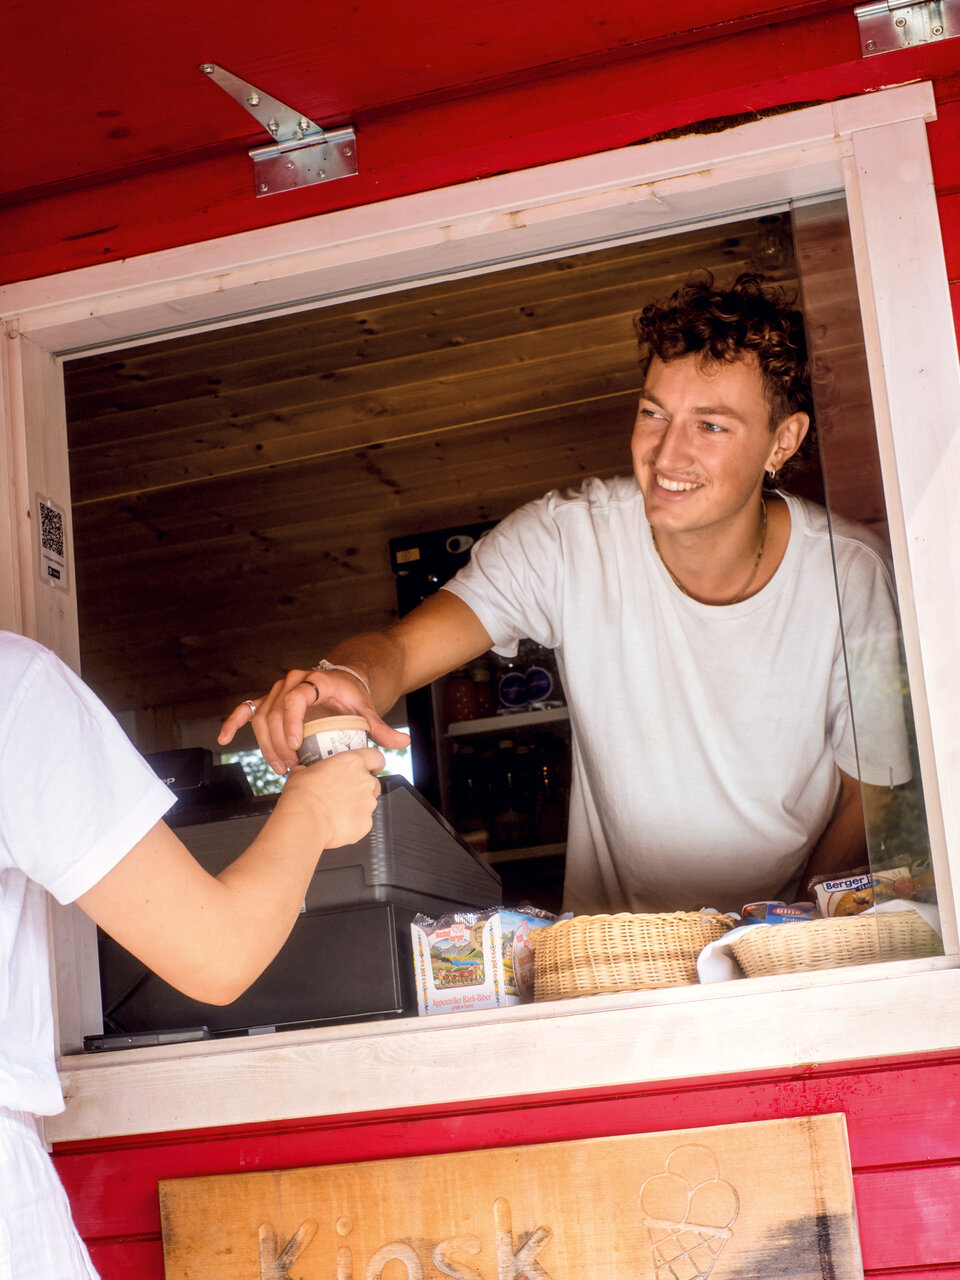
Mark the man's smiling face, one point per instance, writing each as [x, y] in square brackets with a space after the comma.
[702, 441]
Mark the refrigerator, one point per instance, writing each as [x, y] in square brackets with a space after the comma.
[490, 742]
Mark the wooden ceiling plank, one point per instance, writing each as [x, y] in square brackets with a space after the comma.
[553, 280]
[271, 404]
[157, 522]
[319, 434]
[359, 341]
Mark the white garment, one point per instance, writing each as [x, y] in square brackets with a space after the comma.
[706, 739]
[75, 797]
[38, 1240]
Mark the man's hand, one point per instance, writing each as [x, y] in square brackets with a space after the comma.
[441, 634]
[278, 720]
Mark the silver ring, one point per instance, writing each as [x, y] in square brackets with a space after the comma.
[316, 691]
[248, 702]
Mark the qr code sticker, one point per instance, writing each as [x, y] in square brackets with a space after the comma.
[53, 538]
[51, 529]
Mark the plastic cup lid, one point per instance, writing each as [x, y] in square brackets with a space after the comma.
[326, 724]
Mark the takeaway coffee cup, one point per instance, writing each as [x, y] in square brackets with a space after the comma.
[329, 734]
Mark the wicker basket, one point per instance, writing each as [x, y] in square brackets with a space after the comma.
[835, 943]
[590, 954]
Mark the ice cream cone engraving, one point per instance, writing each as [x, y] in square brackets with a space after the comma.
[689, 1212]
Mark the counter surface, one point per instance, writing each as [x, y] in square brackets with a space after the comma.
[679, 1033]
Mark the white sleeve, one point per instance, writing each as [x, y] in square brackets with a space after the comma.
[874, 668]
[76, 796]
[514, 579]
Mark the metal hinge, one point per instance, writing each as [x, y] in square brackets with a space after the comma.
[302, 153]
[900, 24]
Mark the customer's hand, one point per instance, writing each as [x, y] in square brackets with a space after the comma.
[338, 795]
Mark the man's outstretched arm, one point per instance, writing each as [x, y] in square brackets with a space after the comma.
[438, 636]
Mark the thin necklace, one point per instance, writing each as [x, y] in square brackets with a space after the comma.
[753, 572]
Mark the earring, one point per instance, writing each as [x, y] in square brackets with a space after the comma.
[772, 473]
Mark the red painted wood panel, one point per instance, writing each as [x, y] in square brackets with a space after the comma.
[558, 116]
[127, 1259]
[903, 1120]
[909, 1216]
[132, 92]
[944, 136]
[948, 1272]
[949, 209]
[924, 1273]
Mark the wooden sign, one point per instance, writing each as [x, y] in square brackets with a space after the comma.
[749, 1201]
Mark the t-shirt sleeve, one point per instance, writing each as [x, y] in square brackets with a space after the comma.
[875, 674]
[513, 581]
[85, 796]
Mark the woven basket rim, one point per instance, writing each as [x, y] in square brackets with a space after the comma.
[783, 948]
[628, 951]
[650, 918]
[827, 924]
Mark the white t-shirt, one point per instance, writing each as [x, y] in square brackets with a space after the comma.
[706, 739]
[75, 797]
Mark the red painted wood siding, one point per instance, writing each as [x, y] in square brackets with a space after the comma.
[903, 1119]
[579, 108]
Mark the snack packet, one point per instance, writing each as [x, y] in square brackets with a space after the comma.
[779, 912]
[861, 889]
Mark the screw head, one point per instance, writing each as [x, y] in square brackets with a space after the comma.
[264, 187]
[348, 151]
[253, 99]
[938, 31]
[870, 46]
[207, 68]
[304, 124]
[273, 126]
[901, 22]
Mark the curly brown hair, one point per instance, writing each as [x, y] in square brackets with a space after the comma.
[724, 324]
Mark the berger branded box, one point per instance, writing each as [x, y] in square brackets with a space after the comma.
[474, 960]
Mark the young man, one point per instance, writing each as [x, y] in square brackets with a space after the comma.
[81, 817]
[693, 612]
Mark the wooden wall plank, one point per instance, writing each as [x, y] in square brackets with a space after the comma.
[225, 531]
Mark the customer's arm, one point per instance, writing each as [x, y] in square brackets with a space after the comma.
[438, 636]
[211, 937]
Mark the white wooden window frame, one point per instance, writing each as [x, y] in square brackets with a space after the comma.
[872, 148]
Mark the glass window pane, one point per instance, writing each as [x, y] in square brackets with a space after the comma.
[896, 878]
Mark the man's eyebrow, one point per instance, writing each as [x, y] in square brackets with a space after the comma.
[647, 395]
[718, 411]
[701, 410]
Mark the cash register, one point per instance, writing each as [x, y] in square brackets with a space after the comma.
[349, 954]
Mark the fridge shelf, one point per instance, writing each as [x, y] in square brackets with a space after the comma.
[498, 724]
[528, 851]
